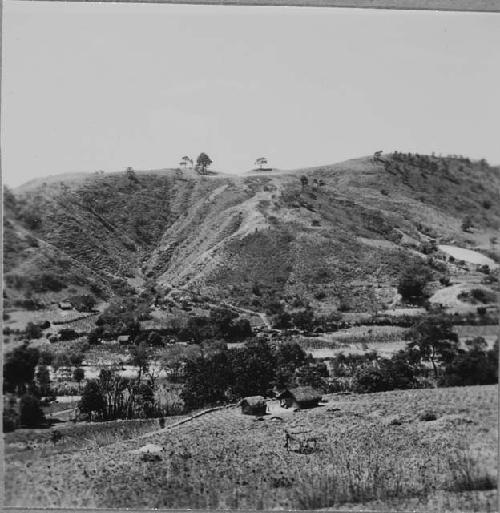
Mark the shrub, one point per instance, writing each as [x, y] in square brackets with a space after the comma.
[30, 412]
[478, 296]
[413, 280]
[483, 295]
[467, 224]
[473, 367]
[371, 379]
[33, 331]
[47, 282]
[321, 294]
[92, 400]
[445, 281]
[427, 416]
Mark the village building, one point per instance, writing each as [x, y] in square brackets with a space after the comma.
[299, 397]
[254, 405]
[65, 305]
[124, 340]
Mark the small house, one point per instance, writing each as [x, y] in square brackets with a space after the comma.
[300, 397]
[255, 405]
[65, 305]
[124, 340]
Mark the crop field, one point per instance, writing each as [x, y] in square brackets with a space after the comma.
[375, 451]
[488, 332]
[386, 340]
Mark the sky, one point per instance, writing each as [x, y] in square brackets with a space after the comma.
[89, 87]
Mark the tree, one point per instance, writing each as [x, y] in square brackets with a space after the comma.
[60, 360]
[202, 163]
[92, 400]
[282, 321]
[19, 368]
[222, 318]
[477, 366]
[76, 359]
[207, 380]
[412, 282]
[140, 358]
[131, 175]
[78, 375]
[371, 379]
[304, 181]
[93, 338]
[435, 340]
[261, 161]
[312, 375]
[185, 160]
[33, 331]
[43, 380]
[303, 319]
[30, 412]
[253, 369]
[45, 357]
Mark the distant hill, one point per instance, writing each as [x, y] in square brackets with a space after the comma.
[332, 236]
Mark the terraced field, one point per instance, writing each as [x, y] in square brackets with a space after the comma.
[374, 451]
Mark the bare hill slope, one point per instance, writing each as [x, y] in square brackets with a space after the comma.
[332, 235]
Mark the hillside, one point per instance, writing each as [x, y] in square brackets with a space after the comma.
[337, 241]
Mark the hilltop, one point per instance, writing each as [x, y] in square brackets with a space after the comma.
[334, 236]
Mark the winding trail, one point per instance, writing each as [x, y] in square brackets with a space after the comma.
[180, 422]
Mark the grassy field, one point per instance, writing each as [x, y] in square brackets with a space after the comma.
[374, 451]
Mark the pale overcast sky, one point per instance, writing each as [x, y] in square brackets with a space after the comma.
[104, 86]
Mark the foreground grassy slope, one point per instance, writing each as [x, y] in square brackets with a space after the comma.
[374, 451]
[252, 238]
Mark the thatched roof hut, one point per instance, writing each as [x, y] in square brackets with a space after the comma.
[300, 397]
[254, 405]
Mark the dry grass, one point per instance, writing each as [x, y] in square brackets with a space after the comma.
[227, 460]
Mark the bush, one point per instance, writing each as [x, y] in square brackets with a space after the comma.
[412, 282]
[371, 379]
[478, 296]
[30, 412]
[47, 282]
[33, 331]
[445, 281]
[473, 367]
[428, 416]
[467, 224]
[483, 295]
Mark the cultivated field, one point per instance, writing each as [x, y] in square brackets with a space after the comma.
[374, 452]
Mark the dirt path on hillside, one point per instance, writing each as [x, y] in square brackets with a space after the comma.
[180, 422]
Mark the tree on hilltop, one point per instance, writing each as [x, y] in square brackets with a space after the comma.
[202, 163]
[261, 161]
[304, 181]
[131, 175]
[185, 161]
